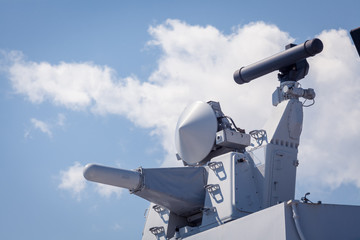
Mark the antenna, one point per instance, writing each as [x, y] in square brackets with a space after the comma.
[195, 132]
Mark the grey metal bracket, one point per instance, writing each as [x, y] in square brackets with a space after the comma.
[212, 187]
[290, 90]
[157, 230]
[158, 208]
[215, 165]
[259, 135]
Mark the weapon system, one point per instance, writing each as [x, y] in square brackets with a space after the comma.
[228, 174]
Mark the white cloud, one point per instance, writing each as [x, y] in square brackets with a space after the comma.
[329, 145]
[46, 127]
[72, 180]
[42, 126]
[197, 63]
[107, 190]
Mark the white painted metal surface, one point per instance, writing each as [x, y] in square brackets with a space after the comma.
[317, 221]
[230, 190]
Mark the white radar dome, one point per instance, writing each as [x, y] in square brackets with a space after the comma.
[195, 132]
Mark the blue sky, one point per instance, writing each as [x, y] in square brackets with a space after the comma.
[104, 82]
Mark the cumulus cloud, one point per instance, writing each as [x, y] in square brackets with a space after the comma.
[197, 63]
[329, 145]
[72, 180]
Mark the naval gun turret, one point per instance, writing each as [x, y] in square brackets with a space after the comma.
[232, 182]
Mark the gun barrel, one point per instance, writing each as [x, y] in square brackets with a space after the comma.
[112, 176]
[180, 190]
[279, 60]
